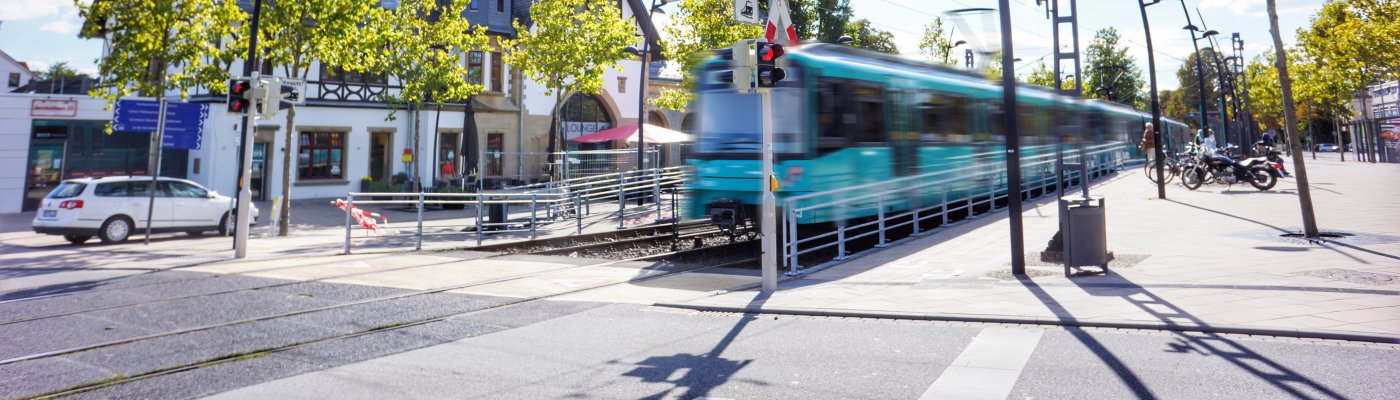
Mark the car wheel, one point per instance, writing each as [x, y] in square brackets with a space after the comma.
[115, 230]
[77, 239]
[224, 223]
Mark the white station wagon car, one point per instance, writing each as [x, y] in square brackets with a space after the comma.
[114, 208]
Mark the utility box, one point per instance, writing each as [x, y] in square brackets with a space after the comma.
[1085, 236]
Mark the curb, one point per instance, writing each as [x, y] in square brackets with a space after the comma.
[1065, 321]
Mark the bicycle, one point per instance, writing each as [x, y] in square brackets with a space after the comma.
[1172, 168]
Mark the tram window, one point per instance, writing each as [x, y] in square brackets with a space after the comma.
[943, 117]
[829, 123]
[867, 115]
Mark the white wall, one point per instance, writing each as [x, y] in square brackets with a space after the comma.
[6, 68]
[15, 131]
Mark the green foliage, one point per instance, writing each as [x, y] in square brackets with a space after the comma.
[1042, 75]
[571, 44]
[157, 45]
[420, 43]
[295, 34]
[697, 27]
[1189, 91]
[869, 38]
[1265, 96]
[60, 71]
[1110, 73]
[832, 17]
[937, 43]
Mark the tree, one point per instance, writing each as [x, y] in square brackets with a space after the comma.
[160, 45]
[420, 44]
[296, 35]
[1189, 91]
[870, 38]
[1266, 102]
[697, 27]
[1286, 89]
[1173, 104]
[569, 47]
[832, 17]
[937, 43]
[60, 71]
[1042, 75]
[1111, 74]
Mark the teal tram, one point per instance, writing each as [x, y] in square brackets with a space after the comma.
[847, 116]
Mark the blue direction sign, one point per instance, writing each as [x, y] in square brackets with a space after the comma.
[184, 122]
[184, 125]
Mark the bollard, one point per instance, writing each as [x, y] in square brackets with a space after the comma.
[419, 244]
[479, 206]
[578, 217]
[621, 199]
[533, 198]
[880, 202]
[349, 205]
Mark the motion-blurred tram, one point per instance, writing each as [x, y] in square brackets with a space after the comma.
[847, 116]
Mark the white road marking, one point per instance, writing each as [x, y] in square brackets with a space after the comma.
[988, 368]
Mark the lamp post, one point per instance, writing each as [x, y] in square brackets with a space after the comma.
[948, 51]
[642, 92]
[1220, 91]
[1156, 108]
[1200, 68]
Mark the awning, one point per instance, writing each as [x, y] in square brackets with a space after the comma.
[652, 134]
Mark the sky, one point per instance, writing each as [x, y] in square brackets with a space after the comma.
[43, 32]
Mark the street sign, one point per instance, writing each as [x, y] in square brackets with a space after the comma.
[746, 12]
[130, 115]
[298, 94]
[184, 125]
[184, 122]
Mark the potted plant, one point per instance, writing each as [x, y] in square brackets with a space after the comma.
[449, 188]
[366, 184]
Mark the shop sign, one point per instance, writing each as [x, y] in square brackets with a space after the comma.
[184, 122]
[53, 108]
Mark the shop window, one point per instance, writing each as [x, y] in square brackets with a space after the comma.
[320, 155]
[449, 165]
[495, 148]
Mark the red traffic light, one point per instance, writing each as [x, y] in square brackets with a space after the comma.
[239, 91]
[768, 52]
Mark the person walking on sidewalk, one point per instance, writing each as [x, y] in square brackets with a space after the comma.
[1148, 144]
[1208, 142]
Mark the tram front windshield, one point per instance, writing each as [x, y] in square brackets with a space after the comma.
[730, 124]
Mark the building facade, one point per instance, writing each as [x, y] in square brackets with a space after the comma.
[15, 73]
[344, 134]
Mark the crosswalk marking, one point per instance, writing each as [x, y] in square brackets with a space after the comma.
[989, 367]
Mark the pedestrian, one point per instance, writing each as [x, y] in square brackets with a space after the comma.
[1208, 142]
[1148, 144]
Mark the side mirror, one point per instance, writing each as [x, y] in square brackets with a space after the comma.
[211, 195]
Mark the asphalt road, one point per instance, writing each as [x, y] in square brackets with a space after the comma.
[559, 349]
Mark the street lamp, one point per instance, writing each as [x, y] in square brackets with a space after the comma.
[642, 91]
[1220, 90]
[1156, 104]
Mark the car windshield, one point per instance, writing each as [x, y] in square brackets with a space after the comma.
[66, 190]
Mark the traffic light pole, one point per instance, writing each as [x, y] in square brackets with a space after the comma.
[769, 213]
[245, 172]
[245, 152]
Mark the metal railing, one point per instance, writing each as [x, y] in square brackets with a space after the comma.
[913, 200]
[549, 204]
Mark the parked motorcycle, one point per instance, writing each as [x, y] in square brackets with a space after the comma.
[1219, 167]
[1271, 157]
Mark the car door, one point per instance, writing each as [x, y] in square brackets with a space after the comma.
[138, 204]
[191, 205]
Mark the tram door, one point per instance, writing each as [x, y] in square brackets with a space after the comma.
[904, 138]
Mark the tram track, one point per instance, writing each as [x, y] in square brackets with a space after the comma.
[244, 355]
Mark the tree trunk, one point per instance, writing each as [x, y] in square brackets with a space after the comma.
[558, 121]
[1290, 125]
[284, 218]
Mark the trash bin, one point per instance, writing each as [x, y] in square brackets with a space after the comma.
[1086, 239]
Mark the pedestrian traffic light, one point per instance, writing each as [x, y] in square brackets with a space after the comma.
[240, 90]
[768, 72]
[742, 61]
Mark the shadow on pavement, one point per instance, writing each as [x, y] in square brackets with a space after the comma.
[703, 372]
[1204, 343]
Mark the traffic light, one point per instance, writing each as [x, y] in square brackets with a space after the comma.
[742, 61]
[768, 72]
[240, 90]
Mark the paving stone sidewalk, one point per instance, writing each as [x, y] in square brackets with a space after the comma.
[1210, 258]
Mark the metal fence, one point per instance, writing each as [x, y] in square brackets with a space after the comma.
[905, 202]
[552, 206]
[531, 167]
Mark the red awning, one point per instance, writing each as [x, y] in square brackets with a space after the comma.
[652, 134]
